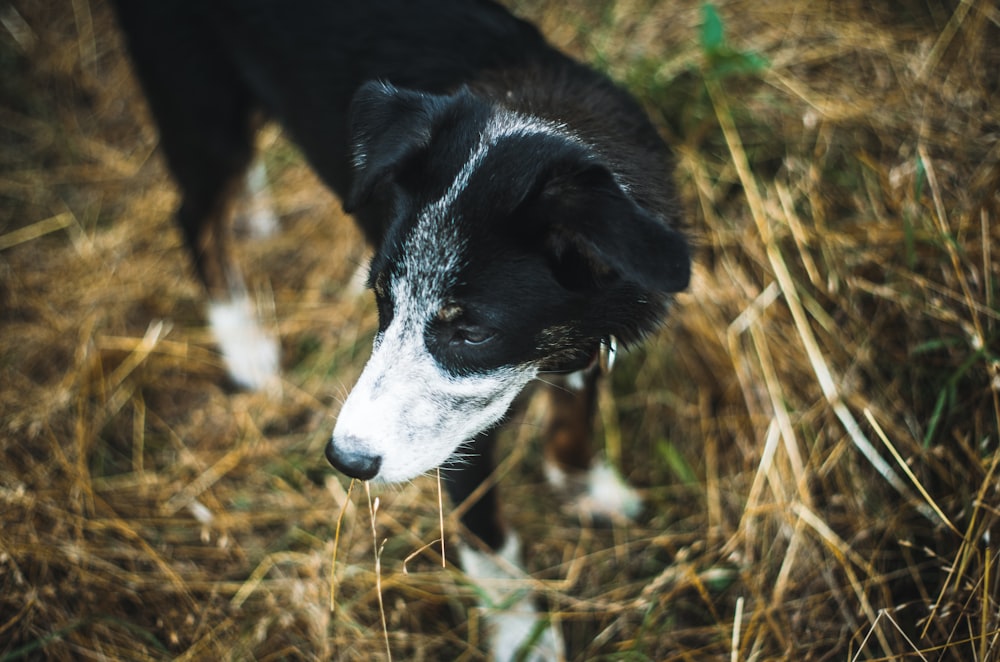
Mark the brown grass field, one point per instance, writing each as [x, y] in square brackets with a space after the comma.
[815, 432]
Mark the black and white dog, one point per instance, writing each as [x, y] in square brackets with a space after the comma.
[519, 204]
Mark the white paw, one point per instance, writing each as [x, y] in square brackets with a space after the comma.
[597, 494]
[511, 618]
[511, 630]
[251, 354]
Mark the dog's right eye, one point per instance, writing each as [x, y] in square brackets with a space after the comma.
[472, 335]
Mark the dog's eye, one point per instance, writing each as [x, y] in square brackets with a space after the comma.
[472, 335]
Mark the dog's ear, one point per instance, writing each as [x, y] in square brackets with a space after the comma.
[387, 125]
[592, 225]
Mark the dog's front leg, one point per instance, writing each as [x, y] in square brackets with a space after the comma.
[251, 353]
[594, 489]
[492, 559]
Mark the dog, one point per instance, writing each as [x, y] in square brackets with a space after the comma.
[519, 205]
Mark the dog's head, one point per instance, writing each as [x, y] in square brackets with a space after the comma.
[507, 248]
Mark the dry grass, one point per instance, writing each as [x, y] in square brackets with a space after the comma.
[815, 432]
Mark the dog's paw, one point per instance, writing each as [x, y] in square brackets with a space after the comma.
[250, 353]
[516, 629]
[512, 631]
[599, 494]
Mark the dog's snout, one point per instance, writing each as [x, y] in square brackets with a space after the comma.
[346, 459]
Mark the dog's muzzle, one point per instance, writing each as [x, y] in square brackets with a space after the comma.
[353, 463]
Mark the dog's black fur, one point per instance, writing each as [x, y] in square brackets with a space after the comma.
[564, 227]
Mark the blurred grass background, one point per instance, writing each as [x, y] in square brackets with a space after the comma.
[814, 432]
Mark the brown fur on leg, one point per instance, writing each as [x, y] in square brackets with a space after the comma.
[214, 261]
[569, 424]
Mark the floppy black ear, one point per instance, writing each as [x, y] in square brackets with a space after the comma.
[587, 215]
[387, 125]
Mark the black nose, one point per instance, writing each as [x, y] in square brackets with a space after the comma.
[356, 464]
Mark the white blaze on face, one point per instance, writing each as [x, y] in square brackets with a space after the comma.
[406, 408]
[409, 411]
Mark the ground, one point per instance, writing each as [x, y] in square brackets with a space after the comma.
[814, 432]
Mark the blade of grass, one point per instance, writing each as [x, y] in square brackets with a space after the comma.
[336, 545]
[909, 473]
[444, 561]
[36, 230]
[377, 549]
[734, 654]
